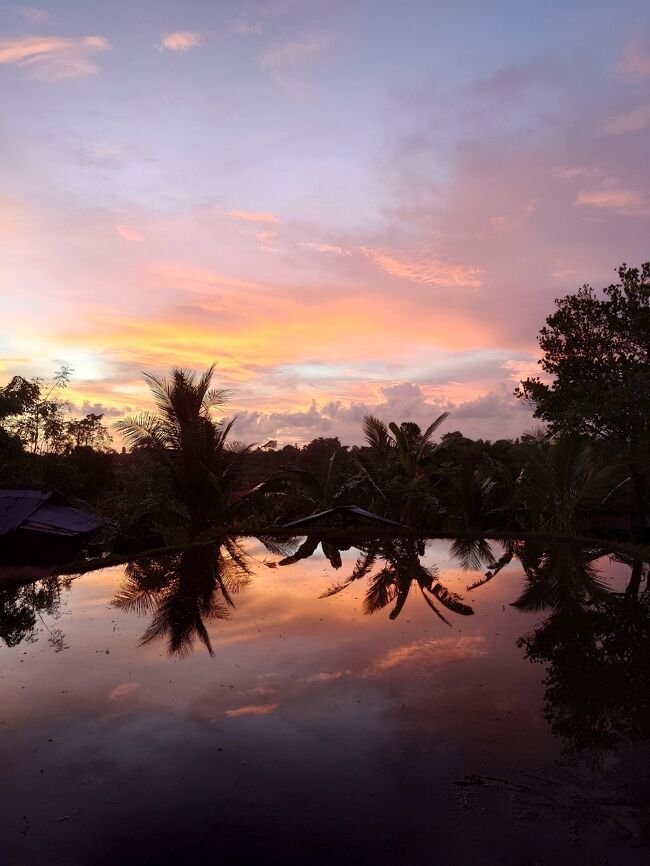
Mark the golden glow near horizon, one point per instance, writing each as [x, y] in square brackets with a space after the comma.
[348, 209]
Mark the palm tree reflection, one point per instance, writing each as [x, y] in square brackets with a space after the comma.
[393, 567]
[181, 591]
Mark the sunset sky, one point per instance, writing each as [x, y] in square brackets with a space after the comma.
[352, 207]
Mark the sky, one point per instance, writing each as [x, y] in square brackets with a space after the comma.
[350, 206]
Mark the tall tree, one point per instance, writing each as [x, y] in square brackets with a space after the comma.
[184, 433]
[596, 350]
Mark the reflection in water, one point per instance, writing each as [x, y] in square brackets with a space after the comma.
[23, 607]
[595, 643]
[593, 640]
[392, 567]
[331, 548]
[182, 590]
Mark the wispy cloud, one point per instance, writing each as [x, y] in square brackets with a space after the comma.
[254, 216]
[574, 171]
[285, 60]
[122, 691]
[438, 651]
[635, 62]
[430, 271]
[53, 57]
[34, 13]
[631, 121]
[609, 195]
[329, 248]
[252, 710]
[128, 233]
[512, 221]
[181, 40]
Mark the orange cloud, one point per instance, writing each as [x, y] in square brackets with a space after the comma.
[53, 57]
[431, 271]
[181, 40]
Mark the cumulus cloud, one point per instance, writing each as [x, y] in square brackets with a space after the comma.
[497, 414]
[181, 40]
[53, 57]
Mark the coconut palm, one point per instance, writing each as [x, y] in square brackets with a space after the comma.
[399, 569]
[398, 466]
[561, 482]
[181, 591]
[185, 434]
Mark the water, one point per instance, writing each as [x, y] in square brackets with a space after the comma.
[211, 705]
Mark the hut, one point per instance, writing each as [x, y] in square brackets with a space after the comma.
[39, 526]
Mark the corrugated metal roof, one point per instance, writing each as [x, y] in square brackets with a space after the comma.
[43, 511]
[64, 519]
[16, 506]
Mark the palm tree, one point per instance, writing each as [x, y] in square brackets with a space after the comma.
[181, 591]
[187, 437]
[400, 570]
[561, 482]
[399, 465]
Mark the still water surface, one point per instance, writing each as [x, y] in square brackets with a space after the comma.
[213, 705]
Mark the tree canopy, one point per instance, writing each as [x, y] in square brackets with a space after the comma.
[596, 351]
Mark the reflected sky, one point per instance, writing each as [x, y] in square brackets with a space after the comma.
[167, 723]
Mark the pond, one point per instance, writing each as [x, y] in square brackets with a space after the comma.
[318, 701]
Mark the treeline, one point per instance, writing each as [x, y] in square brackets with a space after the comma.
[183, 475]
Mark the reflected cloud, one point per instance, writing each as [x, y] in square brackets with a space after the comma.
[438, 651]
[252, 710]
[123, 690]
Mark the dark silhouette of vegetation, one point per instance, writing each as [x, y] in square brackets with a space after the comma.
[182, 591]
[596, 348]
[184, 435]
[392, 568]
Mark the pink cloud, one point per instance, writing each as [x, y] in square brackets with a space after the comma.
[53, 57]
[128, 233]
[609, 195]
[252, 710]
[438, 651]
[431, 271]
[254, 216]
[631, 121]
[635, 62]
[181, 40]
